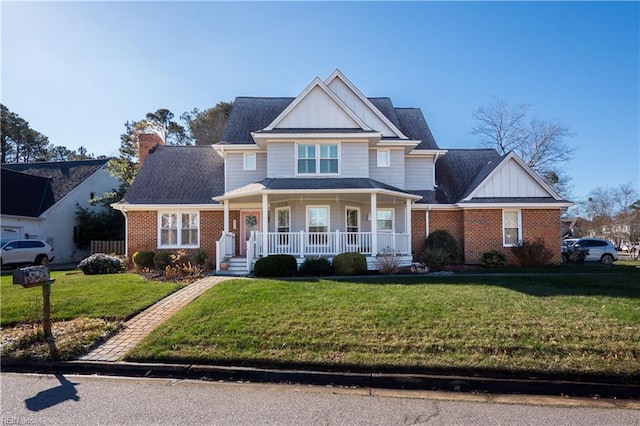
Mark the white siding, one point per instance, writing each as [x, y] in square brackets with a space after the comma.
[237, 177]
[511, 180]
[281, 158]
[317, 111]
[353, 159]
[393, 175]
[419, 173]
[359, 107]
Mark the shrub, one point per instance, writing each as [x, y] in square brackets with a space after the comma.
[532, 253]
[442, 244]
[350, 264]
[316, 267]
[276, 265]
[387, 262]
[434, 258]
[184, 271]
[143, 259]
[101, 263]
[576, 255]
[179, 258]
[161, 260]
[493, 259]
[199, 257]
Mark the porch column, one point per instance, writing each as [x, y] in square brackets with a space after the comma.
[226, 215]
[265, 224]
[374, 223]
[407, 224]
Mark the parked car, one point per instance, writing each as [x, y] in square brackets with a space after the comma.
[16, 252]
[597, 250]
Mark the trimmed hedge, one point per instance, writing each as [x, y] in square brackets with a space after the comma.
[316, 267]
[493, 259]
[441, 249]
[100, 263]
[161, 260]
[276, 265]
[350, 264]
[143, 259]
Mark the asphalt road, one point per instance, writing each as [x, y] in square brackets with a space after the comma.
[92, 400]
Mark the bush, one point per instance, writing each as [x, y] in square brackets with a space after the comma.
[276, 265]
[143, 259]
[199, 257]
[316, 267]
[575, 255]
[440, 245]
[179, 259]
[161, 260]
[434, 258]
[350, 264]
[532, 253]
[493, 259]
[387, 262]
[101, 263]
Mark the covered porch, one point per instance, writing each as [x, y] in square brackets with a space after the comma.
[280, 216]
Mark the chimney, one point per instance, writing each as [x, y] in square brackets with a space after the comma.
[147, 143]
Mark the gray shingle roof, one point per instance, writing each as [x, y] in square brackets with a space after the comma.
[178, 175]
[24, 194]
[414, 126]
[326, 183]
[460, 169]
[64, 175]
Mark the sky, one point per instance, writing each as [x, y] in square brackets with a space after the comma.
[77, 71]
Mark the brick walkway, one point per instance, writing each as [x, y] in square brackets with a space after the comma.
[138, 327]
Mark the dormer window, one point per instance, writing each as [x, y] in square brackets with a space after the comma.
[317, 159]
[249, 161]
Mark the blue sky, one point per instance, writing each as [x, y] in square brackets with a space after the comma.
[78, 71]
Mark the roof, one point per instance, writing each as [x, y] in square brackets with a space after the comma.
[461, 170]
[327, 183]
[64, 175]
[254, 114]
[178, 175]
[24, 194]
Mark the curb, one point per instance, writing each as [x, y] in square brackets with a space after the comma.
[451, 383]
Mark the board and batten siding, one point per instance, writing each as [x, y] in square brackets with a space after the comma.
[511, 180]
[317, 111]
[418, 173]
[281, 159]
[393, 175]
[237, 177]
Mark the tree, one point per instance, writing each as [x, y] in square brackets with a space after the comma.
[21, 143]
[206, 127]
[541, 144]
[101, 225]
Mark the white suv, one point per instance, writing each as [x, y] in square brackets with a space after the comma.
[598, 250]
[24, 251]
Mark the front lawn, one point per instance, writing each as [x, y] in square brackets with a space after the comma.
[578, 324]
[73, 295]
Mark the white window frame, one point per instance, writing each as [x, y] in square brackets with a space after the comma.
[346, 218]
[282, 240]
[318, 158]
[246, 165]
[318, 241]
[504, 234]
[386, 163]
[179, 229]
[393, 219]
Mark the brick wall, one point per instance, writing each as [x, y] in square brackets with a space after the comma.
[482, 232]
[543, 224]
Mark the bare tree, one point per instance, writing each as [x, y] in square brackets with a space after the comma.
[541, 144]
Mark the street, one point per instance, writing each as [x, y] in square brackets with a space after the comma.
[92, 400]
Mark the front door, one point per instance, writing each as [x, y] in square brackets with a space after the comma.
[249, 221]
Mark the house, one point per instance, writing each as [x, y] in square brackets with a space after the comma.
[332, 171]
[39, 201]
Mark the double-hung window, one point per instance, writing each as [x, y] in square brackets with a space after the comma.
[318, 224]
[283, 226]
[384, 221]
[317, 159]
[511, 227]
[178, 229]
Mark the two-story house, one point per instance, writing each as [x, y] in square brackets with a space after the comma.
[327, 172]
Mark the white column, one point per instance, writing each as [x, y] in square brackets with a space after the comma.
[225, 204]
[374, 224]
[265, 224]
[408, 224]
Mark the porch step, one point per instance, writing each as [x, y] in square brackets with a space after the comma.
[237, 267]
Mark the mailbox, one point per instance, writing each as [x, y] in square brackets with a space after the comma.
[31, 276]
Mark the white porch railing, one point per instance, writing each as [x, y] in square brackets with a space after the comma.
[329, 243]
[225, 247]
[251, 250]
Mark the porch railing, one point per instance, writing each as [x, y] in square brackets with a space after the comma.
[329, 243]
[225, 247]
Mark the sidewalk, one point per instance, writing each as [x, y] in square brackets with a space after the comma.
[138, 327]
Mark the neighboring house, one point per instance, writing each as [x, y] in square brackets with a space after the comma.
[39, 201]
[332, 171]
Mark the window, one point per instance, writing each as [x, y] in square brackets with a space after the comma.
[353, 219]
[384, 220]
[384, 158]
[511, 227]
[178, 230]
[283, 224]
[317, 158]
[249, 161]
[317, 222]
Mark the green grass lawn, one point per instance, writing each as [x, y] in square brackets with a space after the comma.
[73, 295]
[582, 322]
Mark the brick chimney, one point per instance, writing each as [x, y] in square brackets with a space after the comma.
[147, 143]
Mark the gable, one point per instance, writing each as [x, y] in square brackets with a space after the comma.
[24, 194]
[511, 178]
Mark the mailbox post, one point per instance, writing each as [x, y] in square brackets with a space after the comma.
[34, 276]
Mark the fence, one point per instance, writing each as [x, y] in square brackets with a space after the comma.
[109, 247]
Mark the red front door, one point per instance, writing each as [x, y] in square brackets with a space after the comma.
[249, 221]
